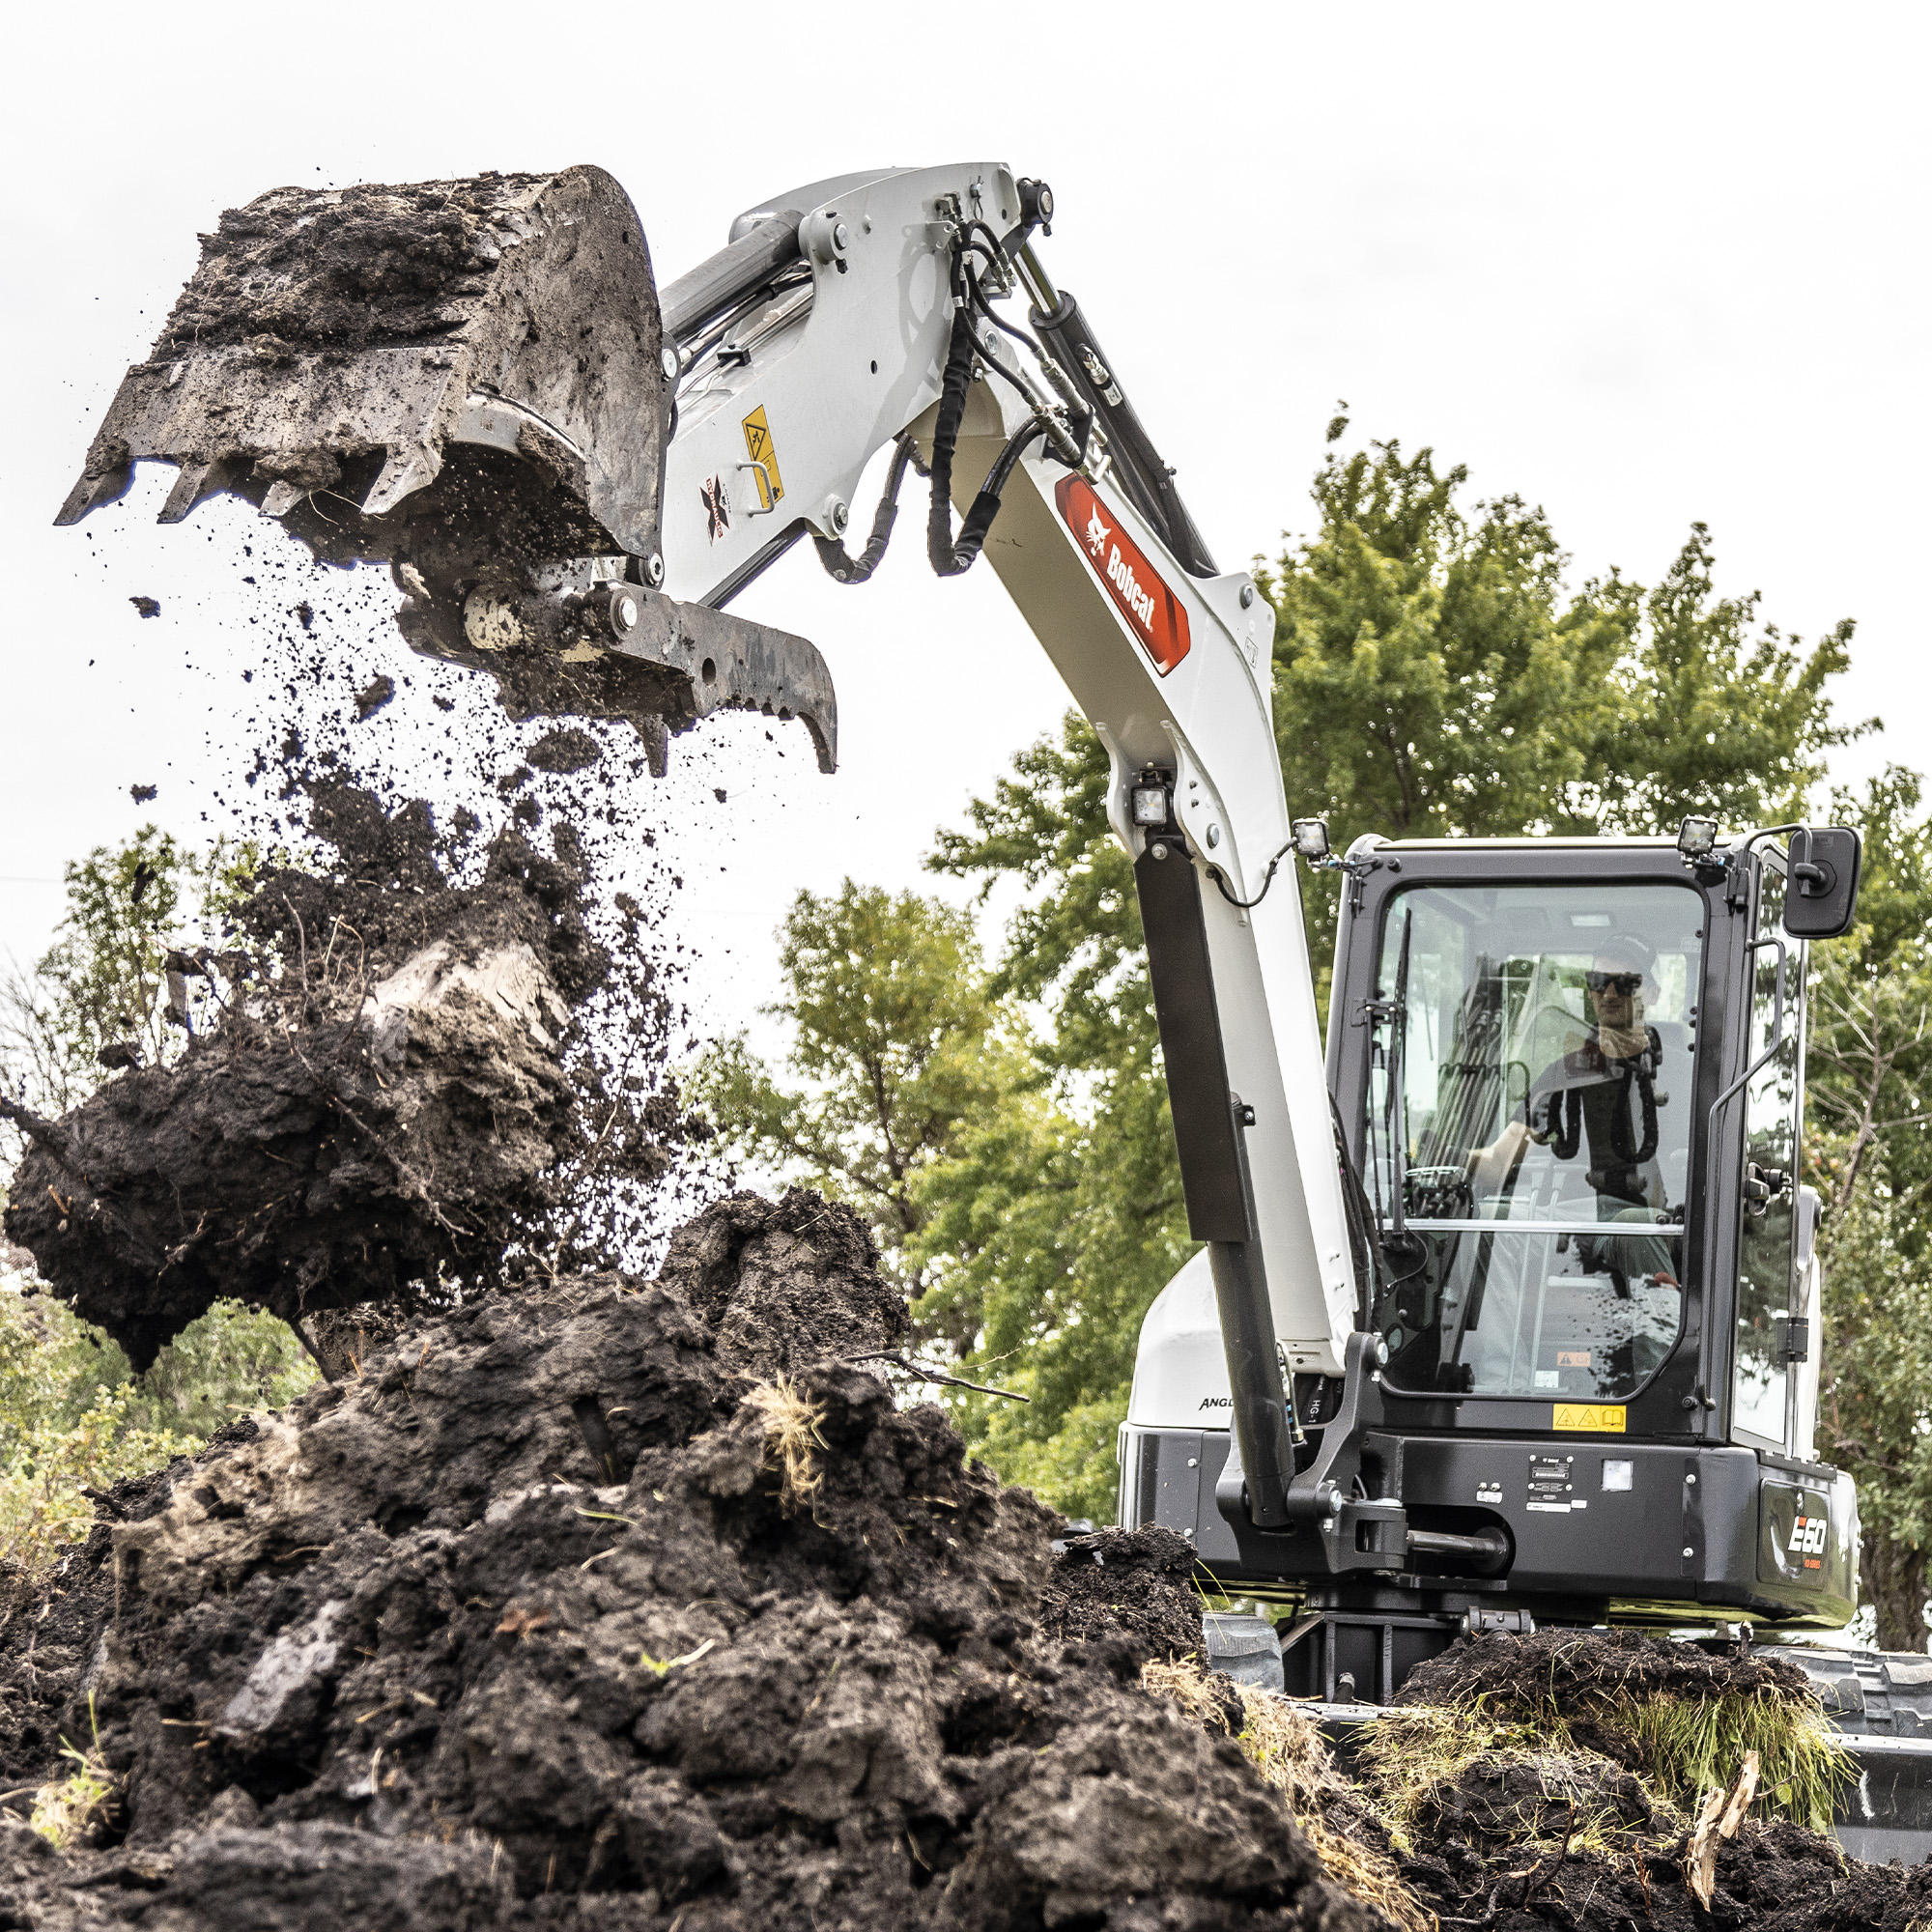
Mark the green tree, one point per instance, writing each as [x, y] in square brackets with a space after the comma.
[897, 1036]
[1869, 1082]
[1052, 1234]
[1434, 677]
[103, 978]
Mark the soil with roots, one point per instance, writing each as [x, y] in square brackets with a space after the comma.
[624, 1604]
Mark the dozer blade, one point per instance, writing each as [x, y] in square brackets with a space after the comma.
[465, 380]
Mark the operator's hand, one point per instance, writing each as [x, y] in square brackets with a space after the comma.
[1490, 1167]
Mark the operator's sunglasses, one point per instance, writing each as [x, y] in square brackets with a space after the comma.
[1613, 982]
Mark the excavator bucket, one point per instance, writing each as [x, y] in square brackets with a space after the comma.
[467, 381]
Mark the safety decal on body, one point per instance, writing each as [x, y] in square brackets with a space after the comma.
[717, 511]
[1605, 1418]
[764, 457]
[1154, 614]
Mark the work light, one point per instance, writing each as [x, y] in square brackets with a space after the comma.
[1696, 836]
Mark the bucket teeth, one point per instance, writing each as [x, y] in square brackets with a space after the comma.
[195, 484]
[403, 474]
[282, 497]
[95, 488]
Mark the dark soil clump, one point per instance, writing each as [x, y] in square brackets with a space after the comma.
[365, 264]
[1134, 1587]
[382, 1101]
[1570, 1670]
[522, 1627]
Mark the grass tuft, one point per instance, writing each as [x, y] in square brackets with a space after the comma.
[1290, 1754]
[1695, 1746]
[1681, 1746]
[68, 1809]
[791, 1433]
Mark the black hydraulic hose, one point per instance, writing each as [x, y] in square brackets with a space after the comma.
[832, 554]
[954, 382]
[979, 520]
[951, 556]
[1364, 1237]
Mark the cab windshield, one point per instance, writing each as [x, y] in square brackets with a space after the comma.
[1528, 1137]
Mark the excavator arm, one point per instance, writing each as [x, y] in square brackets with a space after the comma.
[567, 471]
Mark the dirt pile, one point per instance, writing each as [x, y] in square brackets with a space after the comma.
[347, 268]
[381, 1098]
[618, 1604]
[1561, 1779]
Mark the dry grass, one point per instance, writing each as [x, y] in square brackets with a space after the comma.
[1287, 1749]
[1684, 1748]
[791, 1436]
[67, 1809]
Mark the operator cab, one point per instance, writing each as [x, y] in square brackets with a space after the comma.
[1568, 1085]
[1525, 1134]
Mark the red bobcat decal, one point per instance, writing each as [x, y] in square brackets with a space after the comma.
[1154, 614]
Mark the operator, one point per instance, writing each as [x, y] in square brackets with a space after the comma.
[1599, 1099]
[1602, 1090]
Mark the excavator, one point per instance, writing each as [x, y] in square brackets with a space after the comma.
[1505, 1312]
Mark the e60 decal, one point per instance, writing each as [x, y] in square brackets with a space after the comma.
[1810, 1535]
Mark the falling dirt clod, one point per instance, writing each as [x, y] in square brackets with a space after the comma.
[379, 1103]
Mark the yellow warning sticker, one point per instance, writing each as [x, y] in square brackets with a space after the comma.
[764, 455]
[1606, 1418]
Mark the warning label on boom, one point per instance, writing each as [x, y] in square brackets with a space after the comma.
[764, 455]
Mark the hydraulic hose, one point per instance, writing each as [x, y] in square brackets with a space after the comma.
[951, 556]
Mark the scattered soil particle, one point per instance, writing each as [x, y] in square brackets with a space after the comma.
[144, 794]
[517, 1629]
[374, 696]
[148, 607]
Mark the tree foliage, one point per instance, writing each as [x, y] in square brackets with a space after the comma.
[895, 1038]
[1435, 676]
[103, 980]
[1869, 1079]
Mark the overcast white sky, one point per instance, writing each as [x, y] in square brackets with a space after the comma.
[1643, 264]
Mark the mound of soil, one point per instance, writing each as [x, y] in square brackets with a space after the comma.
[347, 267]
[1771, 1878]
[1131, 1586]
[382, 1104]
[1577, 1837]
[522, 1627]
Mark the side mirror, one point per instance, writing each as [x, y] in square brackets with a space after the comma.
[1821, 886]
